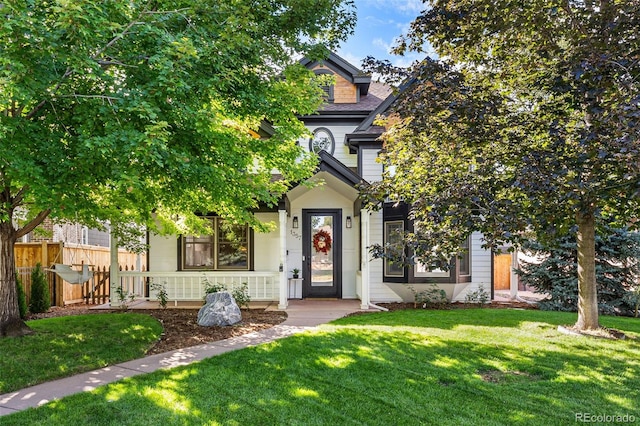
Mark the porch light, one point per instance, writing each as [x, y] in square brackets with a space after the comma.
[348, 222]
[295, 222]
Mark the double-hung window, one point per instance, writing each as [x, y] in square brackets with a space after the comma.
[229, 248]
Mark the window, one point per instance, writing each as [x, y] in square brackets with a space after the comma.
[422, 270]
[464, 260]
[393, 235]
[228, 249]
[85, 235]
[396, 220]
[322, 140]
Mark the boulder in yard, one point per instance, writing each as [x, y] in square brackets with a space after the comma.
[220, 309]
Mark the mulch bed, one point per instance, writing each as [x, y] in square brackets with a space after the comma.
[181, 328]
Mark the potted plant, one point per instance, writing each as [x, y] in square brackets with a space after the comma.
[295, 272]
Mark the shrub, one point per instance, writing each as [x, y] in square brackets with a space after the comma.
[556, 275]
[210, 287]
[124, 298]
[434, 297]
[240, 294]
[161, 293]
[22, 298]
[40, 296]
[479, 295]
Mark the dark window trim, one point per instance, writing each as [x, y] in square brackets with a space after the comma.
[393, 212]
[400, 211]
[331, 137]
[250, 250]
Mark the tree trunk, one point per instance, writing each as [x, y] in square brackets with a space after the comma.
[10, 322]
[587, 289]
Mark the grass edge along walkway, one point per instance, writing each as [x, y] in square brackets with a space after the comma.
[476, 366]
[68, 345]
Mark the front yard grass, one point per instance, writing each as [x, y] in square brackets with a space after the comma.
[63, 346]
[448, 367]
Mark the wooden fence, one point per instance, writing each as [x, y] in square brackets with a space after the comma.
[94, 291]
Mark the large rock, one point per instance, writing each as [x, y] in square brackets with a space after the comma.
[220, 309]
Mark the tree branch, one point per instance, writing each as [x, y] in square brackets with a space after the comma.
[17, 200]
[40, 217]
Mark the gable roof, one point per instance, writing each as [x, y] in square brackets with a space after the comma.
[343, 68]
[370, 93]
[367, 131]
[328, 163]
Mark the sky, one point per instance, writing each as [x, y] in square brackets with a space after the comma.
[379, 23]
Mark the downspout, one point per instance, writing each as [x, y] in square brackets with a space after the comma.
[380, 308]
[365, 297]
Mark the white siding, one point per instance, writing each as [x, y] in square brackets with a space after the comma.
[480, 270]
[266, 246]
[371, 170]
[163, 253]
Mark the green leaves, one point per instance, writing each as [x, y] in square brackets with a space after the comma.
[532, 117]
[112, 110]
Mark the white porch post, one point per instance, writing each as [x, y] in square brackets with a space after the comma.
[513, 277]
[283, 302]
[365, 263]
[114, 279]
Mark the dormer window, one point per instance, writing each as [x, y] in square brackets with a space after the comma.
[328, 87]
[322, 140]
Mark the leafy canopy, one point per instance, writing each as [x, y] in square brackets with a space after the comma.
[529, 121]
[144, 111]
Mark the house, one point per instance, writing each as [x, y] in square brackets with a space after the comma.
[323, 230]
[70, 233]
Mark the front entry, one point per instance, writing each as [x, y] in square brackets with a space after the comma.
[322, 253]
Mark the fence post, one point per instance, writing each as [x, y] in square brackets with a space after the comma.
[44, 255]
[114, 282]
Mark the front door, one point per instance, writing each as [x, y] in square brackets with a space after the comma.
[322, 253]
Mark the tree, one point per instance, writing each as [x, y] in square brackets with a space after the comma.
[146, 112]
[529, 122]
[553, 272]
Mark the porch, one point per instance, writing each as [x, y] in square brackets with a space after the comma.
[184, 287]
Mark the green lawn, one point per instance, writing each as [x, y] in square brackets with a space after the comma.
[475, 366]
[64, 346]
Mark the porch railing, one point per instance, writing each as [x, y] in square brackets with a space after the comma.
[190, 286]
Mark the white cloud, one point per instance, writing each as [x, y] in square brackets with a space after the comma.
[380, 43]
[405, 7]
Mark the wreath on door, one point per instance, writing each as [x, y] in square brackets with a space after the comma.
[322, 241]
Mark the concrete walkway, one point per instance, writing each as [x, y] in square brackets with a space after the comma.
[302, 315]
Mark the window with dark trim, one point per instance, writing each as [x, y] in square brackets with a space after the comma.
[464, 260]
[395, 215]
[229, 248]
[322, 140]
[393, 230]
[394, 224]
